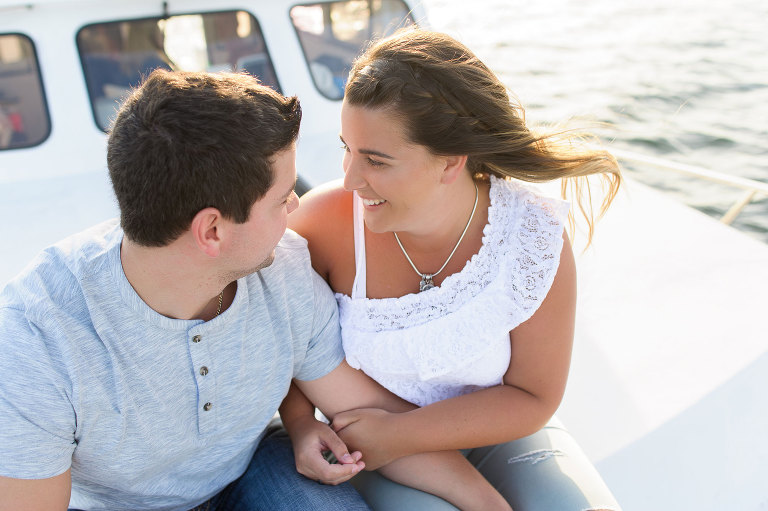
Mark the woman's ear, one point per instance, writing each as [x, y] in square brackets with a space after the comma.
[207, 230]
[454, 167]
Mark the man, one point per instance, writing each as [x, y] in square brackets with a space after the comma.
[143, 361]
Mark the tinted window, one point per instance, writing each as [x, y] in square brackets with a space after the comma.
[24, 120]
[116, 56]
[333, 34]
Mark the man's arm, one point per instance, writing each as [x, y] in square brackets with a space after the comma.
[446, 474]
[342, 389]
[50, 494]
[311, 438]
[346, 388]
[38, 426]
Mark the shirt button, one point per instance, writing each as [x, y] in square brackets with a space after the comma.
[207, 406]
[197, 339]
[203, 371]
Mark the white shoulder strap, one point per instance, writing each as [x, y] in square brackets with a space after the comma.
[359, 285]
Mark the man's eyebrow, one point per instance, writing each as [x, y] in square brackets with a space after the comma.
[371, 151]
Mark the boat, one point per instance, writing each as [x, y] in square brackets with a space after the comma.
[65, 66]
[671, 350]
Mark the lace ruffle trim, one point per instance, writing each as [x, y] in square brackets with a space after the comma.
[521, 244]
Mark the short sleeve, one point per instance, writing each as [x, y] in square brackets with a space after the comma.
[37, 418]
[534, 239]
[324, 351]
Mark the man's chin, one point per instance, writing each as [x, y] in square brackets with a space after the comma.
[266, 262]
[244, 273]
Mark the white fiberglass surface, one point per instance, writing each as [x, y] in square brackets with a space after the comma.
[671, 357]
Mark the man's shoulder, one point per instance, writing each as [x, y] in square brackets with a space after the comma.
[291, 255]
[54, 276]
[291, 271]
[79, 251]
[293, 242]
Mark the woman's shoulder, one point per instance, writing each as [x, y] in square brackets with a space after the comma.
[518, 205]
[323, 211]
[324, 219]
[512, 190]
[529, 239]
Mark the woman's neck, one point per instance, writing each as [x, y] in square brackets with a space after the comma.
[442, 230]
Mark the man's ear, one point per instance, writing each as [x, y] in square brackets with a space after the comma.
[207, 230]
[454, 166]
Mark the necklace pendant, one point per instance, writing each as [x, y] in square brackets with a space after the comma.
[426, 282]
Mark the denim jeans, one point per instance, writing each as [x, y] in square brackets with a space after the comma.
[271, 483]
[546, 471]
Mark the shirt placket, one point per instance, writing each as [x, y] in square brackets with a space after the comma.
[205, 378]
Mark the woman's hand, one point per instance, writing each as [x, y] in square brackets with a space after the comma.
[311, 438]
[372, 431]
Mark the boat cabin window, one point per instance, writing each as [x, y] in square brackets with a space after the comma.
[333, 33]
[117, 55]
[24, 120]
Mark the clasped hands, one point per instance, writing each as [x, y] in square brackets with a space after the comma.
[366, 430]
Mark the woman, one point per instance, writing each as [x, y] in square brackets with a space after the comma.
[456, 284]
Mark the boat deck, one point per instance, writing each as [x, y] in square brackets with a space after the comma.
[671, 357]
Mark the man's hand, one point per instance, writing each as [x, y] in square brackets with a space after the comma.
[370, 430]
[346, 396]
[311, 438]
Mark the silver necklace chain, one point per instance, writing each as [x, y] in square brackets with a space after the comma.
[426, 278]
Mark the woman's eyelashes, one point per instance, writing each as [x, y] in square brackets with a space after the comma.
[368, 159]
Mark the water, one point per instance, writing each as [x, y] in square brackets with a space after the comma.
[685, 80]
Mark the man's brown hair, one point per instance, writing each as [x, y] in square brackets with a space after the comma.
[186, 141]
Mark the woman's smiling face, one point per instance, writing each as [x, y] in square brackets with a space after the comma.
[398, 181]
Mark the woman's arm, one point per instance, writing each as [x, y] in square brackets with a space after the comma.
[324, 219]
[446, 474]
[533, 388]
[450, 476]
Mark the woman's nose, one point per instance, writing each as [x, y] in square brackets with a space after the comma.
[352, 178]
[293, 202]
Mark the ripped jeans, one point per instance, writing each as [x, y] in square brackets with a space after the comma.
[546, 471]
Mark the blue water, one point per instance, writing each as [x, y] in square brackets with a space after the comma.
[684, 80]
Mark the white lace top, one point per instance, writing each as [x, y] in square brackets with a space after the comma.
[454, 339]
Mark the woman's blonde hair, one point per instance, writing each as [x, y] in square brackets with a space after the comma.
[451, 103]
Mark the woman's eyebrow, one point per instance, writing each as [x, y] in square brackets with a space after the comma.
[371, 151]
